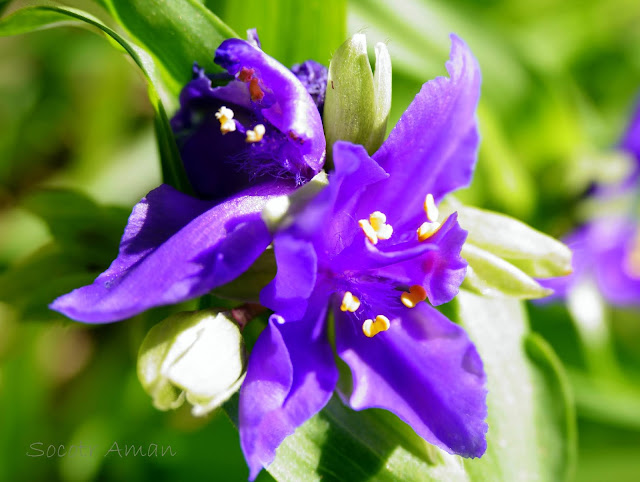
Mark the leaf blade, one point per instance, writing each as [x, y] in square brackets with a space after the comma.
[177, 33]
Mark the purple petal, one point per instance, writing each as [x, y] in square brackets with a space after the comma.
[286, 104]
[434, 146]
[175, 248]
[253, 39]
[295, 280]
[328, 219]
[631, 143]
[581, 263]
[441, 269]
[602, 250]
[290, 377]
[425, 370]
[612, 244]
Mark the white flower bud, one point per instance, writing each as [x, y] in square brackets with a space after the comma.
[199, 356]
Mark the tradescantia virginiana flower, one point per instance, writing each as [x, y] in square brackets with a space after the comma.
[607, 248]
[370, 248]
[257, 137]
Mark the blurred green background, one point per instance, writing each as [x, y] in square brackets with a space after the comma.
[560, 80]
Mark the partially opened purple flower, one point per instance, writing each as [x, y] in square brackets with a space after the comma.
[607, 249]
[370, 248]
[243, 143]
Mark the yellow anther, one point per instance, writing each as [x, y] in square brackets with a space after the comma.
[632, 265]
[415, 295]
[377, 220]
[385, 231]
[350, 302]
[430, 208]
[426, 230]
[256, 134]
[225, 116]
[376, 227]
[369, 232]
[371, 328]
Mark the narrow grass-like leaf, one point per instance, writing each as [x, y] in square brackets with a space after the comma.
[40, 17]
[290, 30]
[177, 33]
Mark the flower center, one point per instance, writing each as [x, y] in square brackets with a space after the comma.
[228, 124]
[376, 227]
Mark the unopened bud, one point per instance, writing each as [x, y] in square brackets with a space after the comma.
[199, 356]
[357, 102]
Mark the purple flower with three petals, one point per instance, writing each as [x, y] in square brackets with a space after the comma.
[255, 138]
[370, 248]
[608, 249]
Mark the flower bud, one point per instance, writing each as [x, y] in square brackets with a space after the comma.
[196, 355]
[357, 102]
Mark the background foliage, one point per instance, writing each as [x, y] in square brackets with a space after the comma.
[560, 78]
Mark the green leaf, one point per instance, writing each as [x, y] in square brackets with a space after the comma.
[33, 283]
[290, 31]
[85, 241]
[531, 421]
[177, 33]
[79, 224]
[35, 18]
[248, 285]
[607, 399]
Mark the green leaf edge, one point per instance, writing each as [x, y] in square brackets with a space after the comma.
[172, 169]
[174, 84]
[542, 355]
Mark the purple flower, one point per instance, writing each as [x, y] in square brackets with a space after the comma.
[607, 249]
[243, 143]
[370, 248]
[261, 125]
